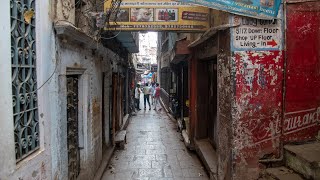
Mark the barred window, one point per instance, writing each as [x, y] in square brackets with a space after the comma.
[24, 81]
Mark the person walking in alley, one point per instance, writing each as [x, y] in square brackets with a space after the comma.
[157, 96]
[146, 97]
[137, 93]
[153, 86]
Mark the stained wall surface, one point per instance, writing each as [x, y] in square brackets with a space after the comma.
[257, 83]
[302, 74]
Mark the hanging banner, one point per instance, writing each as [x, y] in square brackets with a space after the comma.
[260, 9]
[164, 15]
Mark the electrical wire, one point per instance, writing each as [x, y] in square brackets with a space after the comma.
[113, 11]
[67, 22]
[26, 106]
[89, 9]
[111, 37]
[45, 82]
[78, 2]
[47, 79]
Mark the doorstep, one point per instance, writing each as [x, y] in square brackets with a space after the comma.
[282, 173]
[208, 157]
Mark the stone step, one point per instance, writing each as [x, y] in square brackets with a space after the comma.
[120, 139]
[208, 156]
[304, 159]
[281, 173]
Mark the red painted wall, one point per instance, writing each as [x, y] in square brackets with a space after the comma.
[257, 106]
[302, 96]
[277, 93]
[257, 80]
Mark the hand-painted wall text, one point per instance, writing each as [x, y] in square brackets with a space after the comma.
[256, 34]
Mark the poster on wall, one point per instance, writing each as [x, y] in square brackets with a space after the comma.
[260, 9]
[162, 15]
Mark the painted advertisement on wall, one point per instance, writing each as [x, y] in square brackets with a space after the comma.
[158, 16]
[302, 92]
[260, 9]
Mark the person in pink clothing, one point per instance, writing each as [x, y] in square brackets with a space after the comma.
[157, 96]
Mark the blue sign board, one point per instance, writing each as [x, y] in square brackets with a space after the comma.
[260, 9]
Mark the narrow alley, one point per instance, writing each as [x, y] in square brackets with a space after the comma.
[237, 82]
[153, 151]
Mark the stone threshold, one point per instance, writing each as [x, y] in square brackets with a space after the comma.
[208, 157]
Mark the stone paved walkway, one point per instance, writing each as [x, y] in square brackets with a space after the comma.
[154, 151]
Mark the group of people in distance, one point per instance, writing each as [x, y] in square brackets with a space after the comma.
[152, 90]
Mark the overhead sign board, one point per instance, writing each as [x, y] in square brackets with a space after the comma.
[261, 9]
[135, 15]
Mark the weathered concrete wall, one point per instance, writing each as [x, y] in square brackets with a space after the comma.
[7, 148]
[90, 99]
[256, 107]
[225, 92]
[107, 69]
[263, 115]
[54, 58]
[257, 69]
[63, 10]
[38, 164]
[90, 67]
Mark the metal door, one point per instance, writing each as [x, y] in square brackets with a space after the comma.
[72, 127]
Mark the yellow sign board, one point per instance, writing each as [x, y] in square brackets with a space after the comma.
[163, 15]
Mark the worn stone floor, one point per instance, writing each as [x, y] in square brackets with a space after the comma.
[154, 151]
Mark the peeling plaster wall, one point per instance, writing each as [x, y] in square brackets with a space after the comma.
[256, 109]
[257, 83]
[107, 98]
[90, 99]
[264, 115]
[225, 92]
[53, 55]
[38, 164]
[75, 59]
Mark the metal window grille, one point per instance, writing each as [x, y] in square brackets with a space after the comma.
[24, 82]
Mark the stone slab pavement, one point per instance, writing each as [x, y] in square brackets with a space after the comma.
[154, 151]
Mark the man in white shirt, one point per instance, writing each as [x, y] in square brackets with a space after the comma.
[137, 92]
[146, 97]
